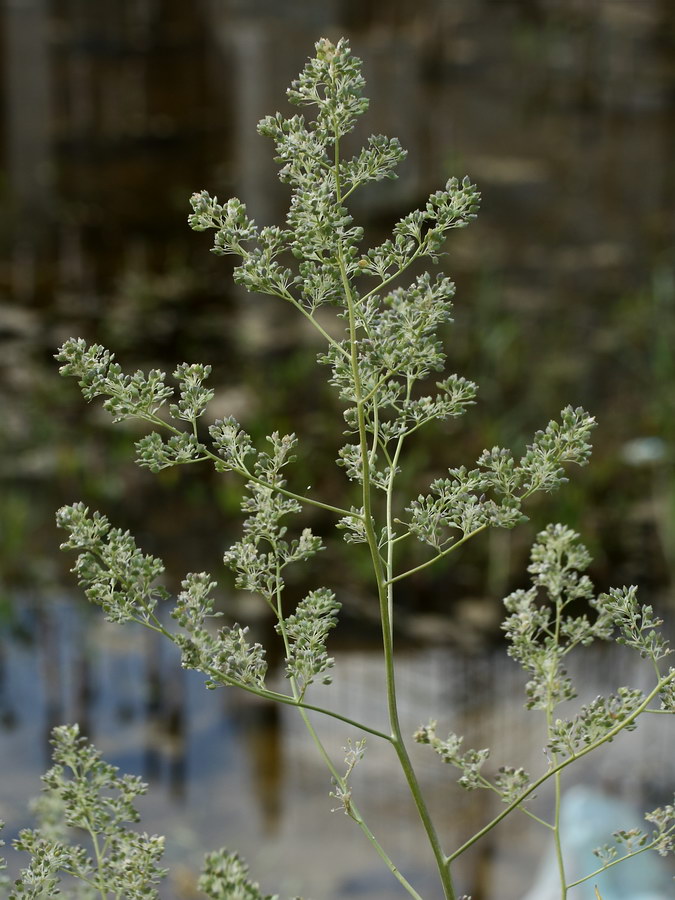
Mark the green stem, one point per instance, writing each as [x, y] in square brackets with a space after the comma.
[435, 559]
[100, 885]
[550, 703]
[354, 811]
[383, 380]
[264, 693]
[376, 431]
[98, 882]
[556, 825]
[536, 818]
[299, 497]
[456, 544]
[286, 295]
[151, 621]
[73, 873]
[399, 745]
[339, 781]
[385, 281]
[611, 734]
[156, 420]
[614, 862]
[390, 516]
[381, 579]
[488, 784]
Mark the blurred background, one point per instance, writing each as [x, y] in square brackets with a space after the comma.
[114, 112]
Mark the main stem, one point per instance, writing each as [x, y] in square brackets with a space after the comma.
[556, 821]
[384, 590]
[557, 777]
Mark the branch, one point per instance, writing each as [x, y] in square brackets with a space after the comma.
[609, 865]
[563, 765]
[265, 694]
[156, 420]
[439, 556]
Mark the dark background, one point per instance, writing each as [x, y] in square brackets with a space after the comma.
[562, 112]
[115, 111]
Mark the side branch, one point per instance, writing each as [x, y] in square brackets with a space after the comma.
[299, 497]
[439, 556]
[244, 473]
[266, 694]
[397, 274]
[614, 862]
[563, 765]
[286, 295]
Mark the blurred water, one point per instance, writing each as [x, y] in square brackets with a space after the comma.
[587, 817]
[562, 112]
[228, 770]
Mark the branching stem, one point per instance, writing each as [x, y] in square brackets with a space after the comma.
[441, 555]
[550, 703]
[339, 781]
[264, 693]
[380, 574]
[249, 476]
[612, 733]
[650, 846]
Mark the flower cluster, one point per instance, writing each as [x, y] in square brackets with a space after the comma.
[84, 795]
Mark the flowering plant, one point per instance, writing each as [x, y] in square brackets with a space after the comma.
[380, 367]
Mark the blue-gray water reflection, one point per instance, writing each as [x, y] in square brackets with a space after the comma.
[228, 770]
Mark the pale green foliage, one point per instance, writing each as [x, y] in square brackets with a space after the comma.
[663, 817]
[137, 395]
[462, 503]
[234, 659]
[595, 721]
[232, 444]
[381, 366]
[194, 397]
[400, 348]
[157, 454]
[4, 881]
[354, 527]
[122, 580]
[668, 693]
[637, 623]
[226, 656]
[83, 795]
[541, 635]
[116, 575]
[307, 630]
[510, 783]
[470, 763]
[195, 604]
[225, 877]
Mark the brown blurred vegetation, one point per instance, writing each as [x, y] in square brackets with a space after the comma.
[563, 111]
